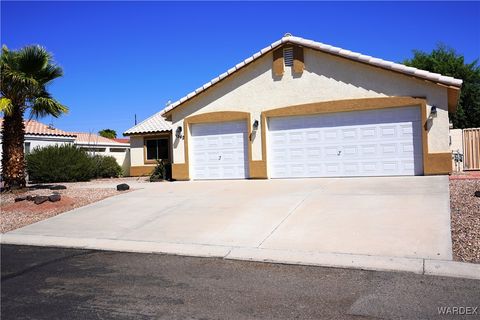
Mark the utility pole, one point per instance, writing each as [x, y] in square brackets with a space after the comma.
[135, 119]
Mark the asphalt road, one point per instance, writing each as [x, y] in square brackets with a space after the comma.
[53, 283]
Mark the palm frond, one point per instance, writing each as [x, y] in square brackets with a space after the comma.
[44, 106]
[6, 106]
[49, 73]
[32, 59]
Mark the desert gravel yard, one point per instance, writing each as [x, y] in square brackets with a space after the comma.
[15, 215]
[465, 211]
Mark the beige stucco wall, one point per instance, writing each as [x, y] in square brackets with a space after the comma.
[136, 151]
[326, 77]
[456, 145]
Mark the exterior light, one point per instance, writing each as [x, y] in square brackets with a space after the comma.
[178, 132]
[433, 111]
[255, 125]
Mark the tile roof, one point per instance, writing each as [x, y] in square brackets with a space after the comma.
[95, 139]
[155, 123]
[33, 127]
[355, 56]
[122, 140]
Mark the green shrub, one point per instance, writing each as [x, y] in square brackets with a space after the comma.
[59, 163]
[162, 171]
[106, 167]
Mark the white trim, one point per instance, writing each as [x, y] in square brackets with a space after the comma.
[355, 56]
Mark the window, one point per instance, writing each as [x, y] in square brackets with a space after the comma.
[118, 149]
[26, 148]
[93, 149]
[157, 148]
[288, 56]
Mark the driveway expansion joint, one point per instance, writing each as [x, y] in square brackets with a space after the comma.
[286, 217]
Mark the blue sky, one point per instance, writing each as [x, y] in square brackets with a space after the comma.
[127, 58]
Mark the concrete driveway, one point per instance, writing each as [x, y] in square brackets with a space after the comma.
[388, 216]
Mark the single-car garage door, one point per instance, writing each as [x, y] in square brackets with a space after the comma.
[219, 150]
[384, 142]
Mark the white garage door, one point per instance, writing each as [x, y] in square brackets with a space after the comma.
[219, 150]
[384, 142]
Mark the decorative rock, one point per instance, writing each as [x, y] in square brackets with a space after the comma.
[477, 194]
[22, 198]
[54, 197]
[123, 187]
[40, 199]
[30, 198]
[58, 187]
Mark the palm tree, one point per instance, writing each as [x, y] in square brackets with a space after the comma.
[25, 75]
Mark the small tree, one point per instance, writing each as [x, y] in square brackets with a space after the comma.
[108, 133]
[446, 61]
[25, 76]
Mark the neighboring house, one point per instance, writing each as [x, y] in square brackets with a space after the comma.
[95, 144]
[40, 135]
[151, 139]
[300, 108]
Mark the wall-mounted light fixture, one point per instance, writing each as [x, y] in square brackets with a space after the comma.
[255, 125]
[178, 132]
[433, 112]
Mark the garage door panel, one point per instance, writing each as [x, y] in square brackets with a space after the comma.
[368, 132]
[314, 153]
[350, 151]
[332, 168]
[219, 150]
[375, 143]
[368, 151]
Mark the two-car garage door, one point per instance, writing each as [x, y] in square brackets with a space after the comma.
[382, 142]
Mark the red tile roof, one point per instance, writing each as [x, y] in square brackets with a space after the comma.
[92, 138]
[122, 140]
[33, 127]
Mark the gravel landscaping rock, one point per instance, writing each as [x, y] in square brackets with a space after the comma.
[465, 214]
[123, 187]
[54, 197]
[15, 215]
[40, 199]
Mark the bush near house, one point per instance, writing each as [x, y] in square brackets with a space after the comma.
[59, 163]
[162, 171]
[68, 163]
[106, 167]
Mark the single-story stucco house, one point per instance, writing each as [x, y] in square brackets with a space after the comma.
[300, 108]
[38, 135]
[95, 144]
[151, 139]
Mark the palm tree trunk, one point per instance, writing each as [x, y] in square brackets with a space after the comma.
[13, 161]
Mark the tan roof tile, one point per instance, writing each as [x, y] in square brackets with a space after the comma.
[33, 127]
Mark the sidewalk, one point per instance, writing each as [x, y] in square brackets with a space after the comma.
[336, 260]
